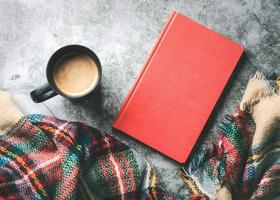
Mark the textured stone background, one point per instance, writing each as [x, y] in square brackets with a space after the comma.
[122, 33]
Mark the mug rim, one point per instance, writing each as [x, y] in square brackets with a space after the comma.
[63, 51]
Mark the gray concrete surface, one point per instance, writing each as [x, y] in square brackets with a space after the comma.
[122, 33]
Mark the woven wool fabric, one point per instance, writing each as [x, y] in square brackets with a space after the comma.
[43, 157]
[247, 171]
[244, 163]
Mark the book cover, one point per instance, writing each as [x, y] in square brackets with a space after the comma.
[178, 87]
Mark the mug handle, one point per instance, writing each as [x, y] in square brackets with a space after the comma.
[42, 93]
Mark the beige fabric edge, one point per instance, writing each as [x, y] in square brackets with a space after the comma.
[10, 114]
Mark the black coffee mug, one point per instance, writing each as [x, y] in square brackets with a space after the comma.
[50, 89]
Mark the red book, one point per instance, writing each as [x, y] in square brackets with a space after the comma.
[175, 93]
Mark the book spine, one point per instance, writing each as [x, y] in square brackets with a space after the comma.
[144, 70]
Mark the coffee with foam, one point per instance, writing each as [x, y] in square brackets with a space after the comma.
[76, 75]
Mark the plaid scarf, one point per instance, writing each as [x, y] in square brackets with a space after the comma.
[244, 170]
[43, 157]
[244, 163]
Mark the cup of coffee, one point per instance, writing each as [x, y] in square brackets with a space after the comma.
[74, 71]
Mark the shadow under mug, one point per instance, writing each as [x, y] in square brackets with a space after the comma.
[50, 89]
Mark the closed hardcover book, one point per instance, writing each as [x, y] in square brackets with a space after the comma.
[176, 92]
